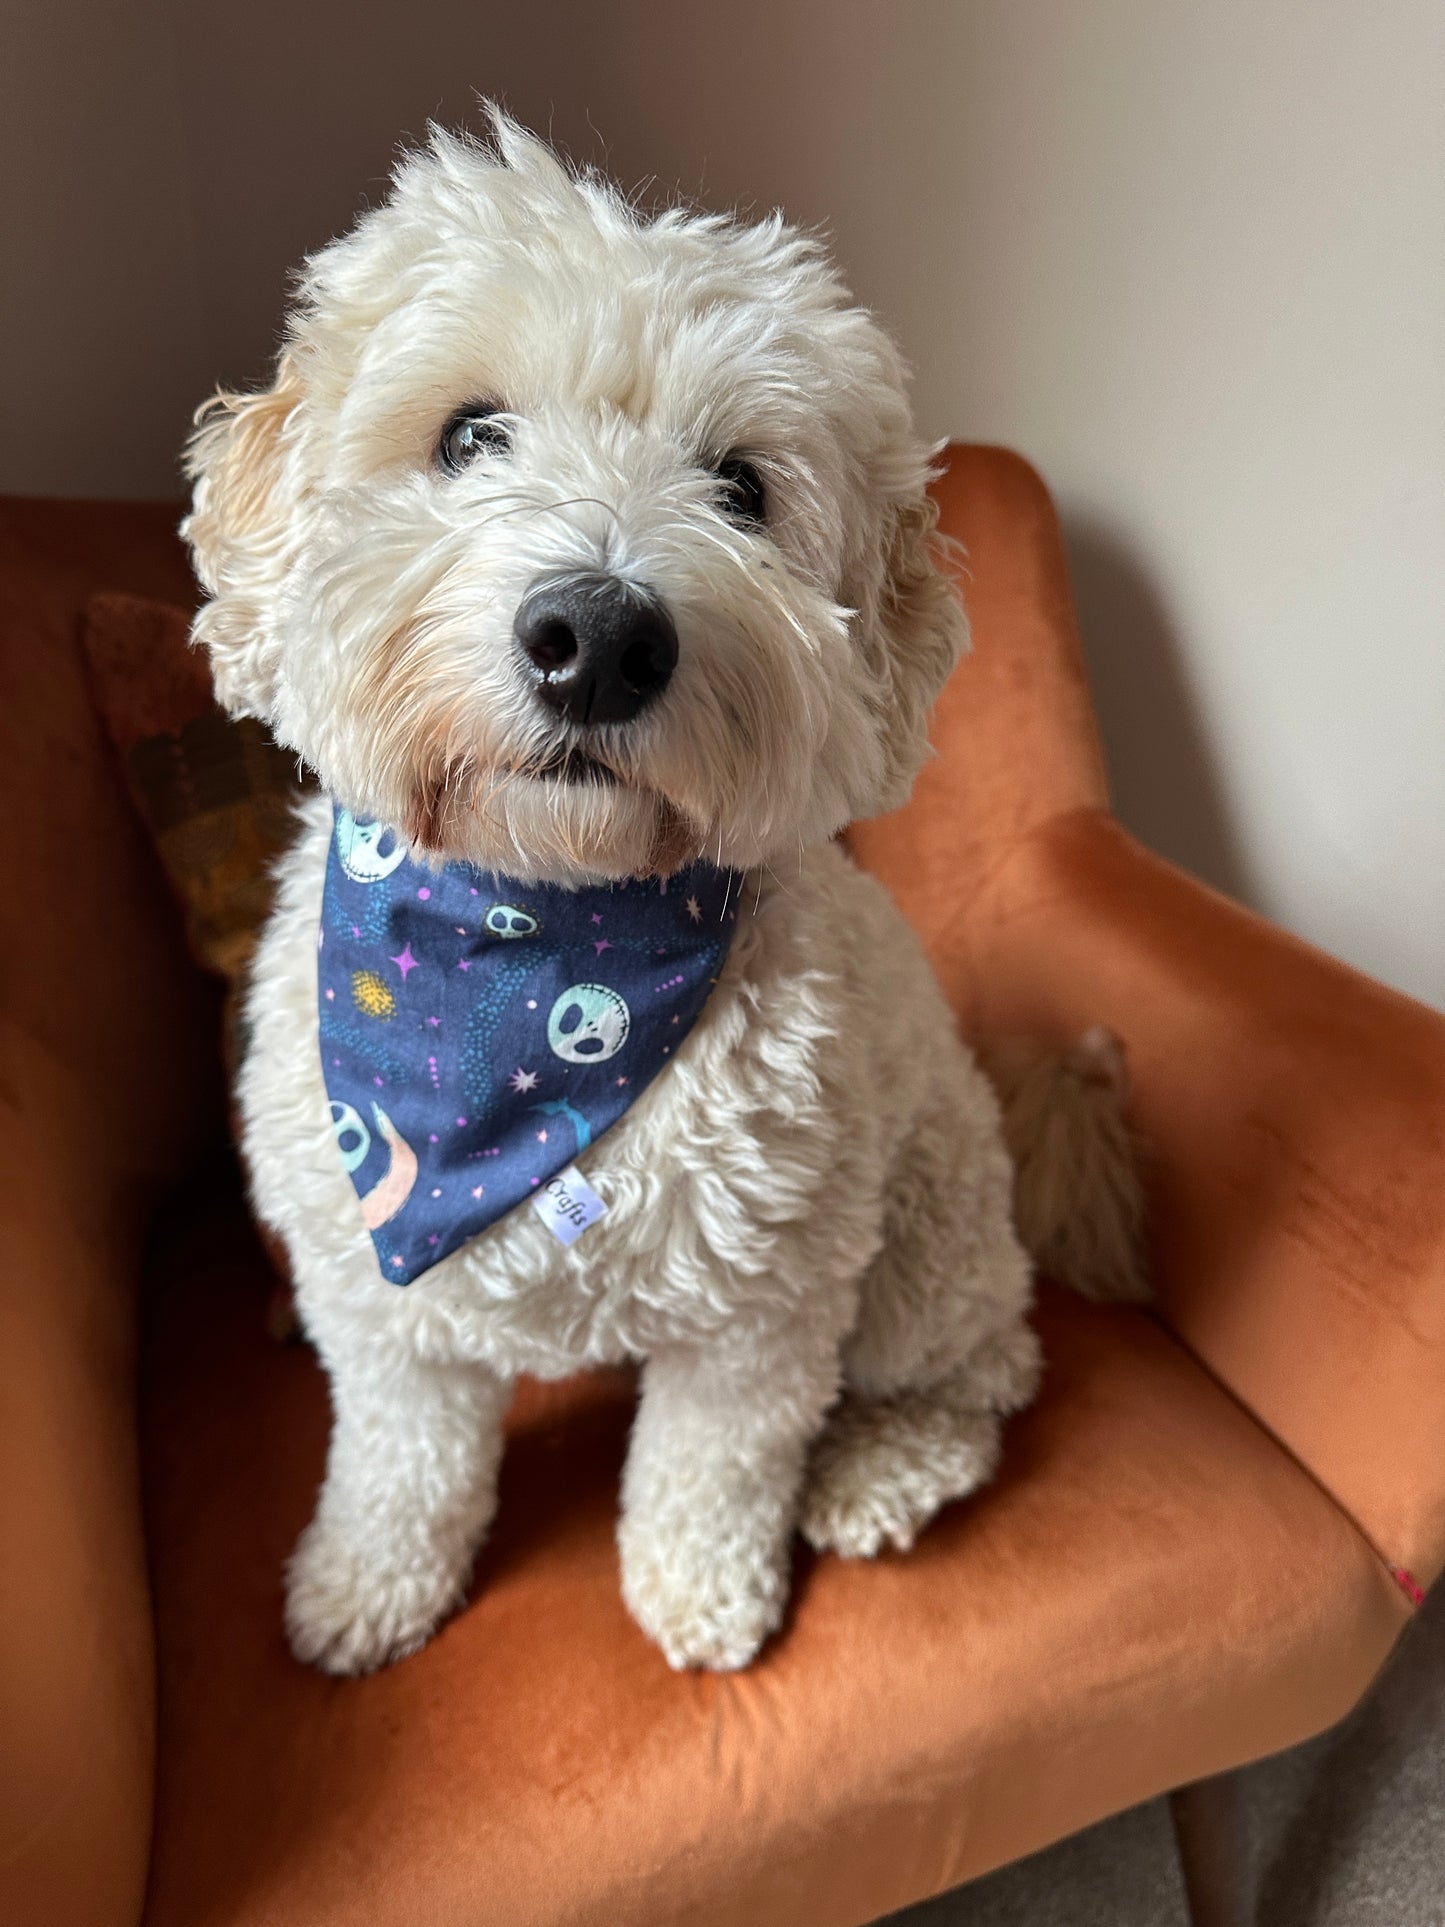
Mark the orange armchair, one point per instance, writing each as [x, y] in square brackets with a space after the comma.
[1205, 1537]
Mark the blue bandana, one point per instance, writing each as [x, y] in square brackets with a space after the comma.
[476, 1033]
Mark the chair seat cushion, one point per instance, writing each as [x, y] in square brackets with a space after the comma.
[1151, 1590]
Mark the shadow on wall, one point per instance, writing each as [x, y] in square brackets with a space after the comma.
[1162, 776]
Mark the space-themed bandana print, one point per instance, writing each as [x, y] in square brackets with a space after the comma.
[477, 1034]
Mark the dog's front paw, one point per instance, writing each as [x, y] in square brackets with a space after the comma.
[348, 1614]
[705, 1603]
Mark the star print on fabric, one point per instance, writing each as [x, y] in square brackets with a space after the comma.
[406, 963]
[521, 1080]
[601, 945]
[478, 1190]
[596, 917]
[541, 1137]
[462, 964]
[693, 909]
[620, 1082]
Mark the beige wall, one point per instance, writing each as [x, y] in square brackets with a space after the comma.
[102, 351]
[1189, 257]
[167, 162]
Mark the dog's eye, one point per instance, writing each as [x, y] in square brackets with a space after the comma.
[472, 431]
[742, 499]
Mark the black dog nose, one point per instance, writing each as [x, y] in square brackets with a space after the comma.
[600, 649]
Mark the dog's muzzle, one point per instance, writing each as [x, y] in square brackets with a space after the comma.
[599, 649]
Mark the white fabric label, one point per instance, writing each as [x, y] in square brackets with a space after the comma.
[567, 1204]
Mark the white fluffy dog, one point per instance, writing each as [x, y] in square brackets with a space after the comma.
[683, 436]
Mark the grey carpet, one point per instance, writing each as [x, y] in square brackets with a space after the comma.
[1346, 1831]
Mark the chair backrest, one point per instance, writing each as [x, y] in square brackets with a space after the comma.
[1014, 729]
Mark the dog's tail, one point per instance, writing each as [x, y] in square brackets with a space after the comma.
[1078, 1179]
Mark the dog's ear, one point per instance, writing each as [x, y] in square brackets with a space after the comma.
[918, 631]
[243, 463]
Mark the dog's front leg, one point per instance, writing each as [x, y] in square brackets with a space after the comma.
[410, 1489]
[711, 1490]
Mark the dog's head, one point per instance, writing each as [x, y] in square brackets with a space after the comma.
[576, 544]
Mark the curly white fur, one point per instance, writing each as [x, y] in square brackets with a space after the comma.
[808, 1241]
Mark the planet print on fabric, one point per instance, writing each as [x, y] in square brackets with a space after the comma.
[589, 1023]
[468, 1051]
[370, 994]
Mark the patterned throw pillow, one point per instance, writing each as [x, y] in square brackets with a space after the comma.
[217, 795]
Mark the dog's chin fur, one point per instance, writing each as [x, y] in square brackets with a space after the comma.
[568, 831]
[808, 1237]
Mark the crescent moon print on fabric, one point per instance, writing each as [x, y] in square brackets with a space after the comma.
[385, 1198]
[494, 1029]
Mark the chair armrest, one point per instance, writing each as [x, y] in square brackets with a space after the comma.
[77, 1715]
[1295, 1116]
[1295, 1110]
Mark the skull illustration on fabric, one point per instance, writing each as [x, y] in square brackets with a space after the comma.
[353, 1139]
[359, 847]
[505, 920]
[588, 1024]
